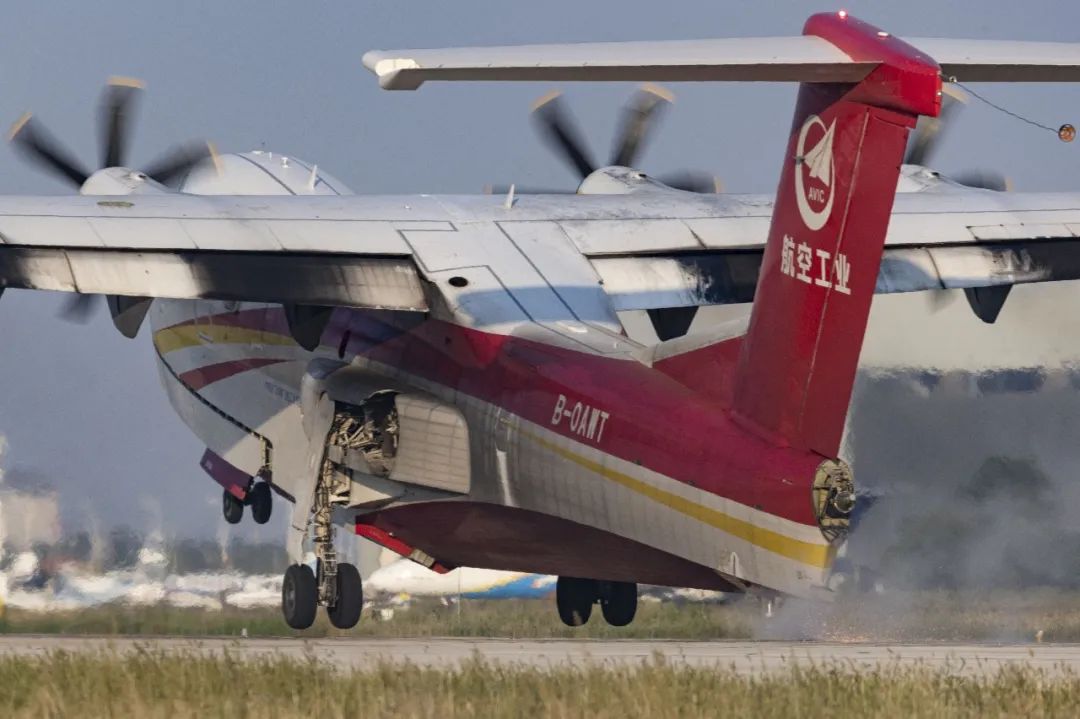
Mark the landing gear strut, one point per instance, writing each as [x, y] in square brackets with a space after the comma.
[575, 598]
[336, 586]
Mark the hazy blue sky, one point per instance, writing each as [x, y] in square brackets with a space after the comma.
[83, 405]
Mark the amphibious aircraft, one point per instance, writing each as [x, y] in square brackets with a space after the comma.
[448, 376]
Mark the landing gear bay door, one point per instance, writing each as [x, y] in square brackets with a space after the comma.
[432, 446]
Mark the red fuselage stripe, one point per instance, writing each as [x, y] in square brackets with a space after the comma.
[200, 377]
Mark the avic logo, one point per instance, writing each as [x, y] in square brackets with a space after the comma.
[814, 172]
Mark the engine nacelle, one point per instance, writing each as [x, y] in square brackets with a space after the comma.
[260, 172]
[122, 181]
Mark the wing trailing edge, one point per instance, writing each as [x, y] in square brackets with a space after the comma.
[278, 277]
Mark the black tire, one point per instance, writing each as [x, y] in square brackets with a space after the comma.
[574, 599]
[231, 507]
[350, 598]
[619, 603]
[299, 596]
[261, 500]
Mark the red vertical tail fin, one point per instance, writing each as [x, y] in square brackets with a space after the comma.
[797, 365]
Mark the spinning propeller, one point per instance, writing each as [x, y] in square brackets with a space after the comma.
[927, 137]
[115, 113]
[637, 122]
[986, 302]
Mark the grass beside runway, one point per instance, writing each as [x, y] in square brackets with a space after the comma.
[523, 619]
[897, 617]
[149, 684]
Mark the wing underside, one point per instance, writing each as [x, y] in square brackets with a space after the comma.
[716, 278]
[277, 277]
[376, 252]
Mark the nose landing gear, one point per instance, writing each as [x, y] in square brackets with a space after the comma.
[574, 598]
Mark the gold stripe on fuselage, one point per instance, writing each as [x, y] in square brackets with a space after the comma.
[818, 556]
[171, 339]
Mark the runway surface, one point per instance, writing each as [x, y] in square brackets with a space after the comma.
[744, 657]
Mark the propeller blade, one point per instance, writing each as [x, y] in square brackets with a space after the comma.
[173, 166]
[983, 179]
[928, 130]
[691, 181]
[559, 131]
[78, 308]
[637, 121]
[114, 114]
[39, 147]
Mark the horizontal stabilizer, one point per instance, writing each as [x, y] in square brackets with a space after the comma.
[778, 59]
[775, 59]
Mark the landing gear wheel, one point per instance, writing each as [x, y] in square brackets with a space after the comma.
[261, 500]
[619, 603]
[574, 599]
[350, 598]
[299, 596]
[231, 507]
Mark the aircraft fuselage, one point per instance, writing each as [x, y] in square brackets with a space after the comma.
[581, 463]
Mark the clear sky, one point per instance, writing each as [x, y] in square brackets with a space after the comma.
[83, 405]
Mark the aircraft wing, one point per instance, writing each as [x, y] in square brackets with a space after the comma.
[185, 247]
[670, 249]
[962, 240]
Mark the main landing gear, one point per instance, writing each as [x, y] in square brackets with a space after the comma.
[575, 598]
[302, 592]
[324, 486]
[336, 586]
[259, 498]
